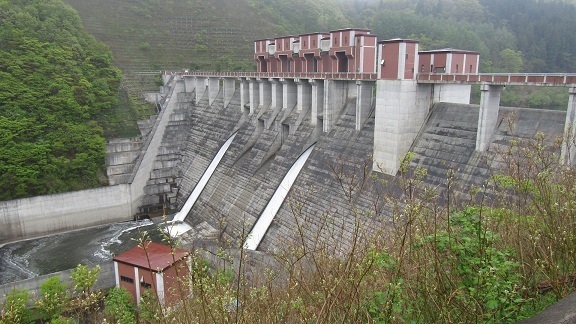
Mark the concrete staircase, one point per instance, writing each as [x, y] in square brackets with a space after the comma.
[162, 187]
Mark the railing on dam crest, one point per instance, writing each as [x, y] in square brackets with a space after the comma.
[533, 79]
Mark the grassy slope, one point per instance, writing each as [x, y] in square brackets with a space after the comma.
[152, 35]
[146, 35]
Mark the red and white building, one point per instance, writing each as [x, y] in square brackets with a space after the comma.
[397, 59]
[345, 51]
[354, 50]
[261, 54]
[152, 266]
[450, 61]
[311, 54]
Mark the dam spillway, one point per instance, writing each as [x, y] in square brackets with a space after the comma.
[271, 134]
[269, 141]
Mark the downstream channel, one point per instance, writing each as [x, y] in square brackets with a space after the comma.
[30, 258]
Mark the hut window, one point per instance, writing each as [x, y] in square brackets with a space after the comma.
[126, 279]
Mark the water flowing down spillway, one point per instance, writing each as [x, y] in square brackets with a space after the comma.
[263, 223]
[178, 227]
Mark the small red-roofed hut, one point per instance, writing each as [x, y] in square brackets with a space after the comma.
[152, 266]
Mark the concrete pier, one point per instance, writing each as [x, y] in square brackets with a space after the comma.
[488, 116]
[317, 99]
[229, 85]
[363, 101]
[254, 95]
[244, 93]
[201, 86]
[401, 109]
[335, 95]
[569, 141]
[276, 93]
[304, 94]
[265, 93]
[213, 89]
[189, 83]
[289, 96]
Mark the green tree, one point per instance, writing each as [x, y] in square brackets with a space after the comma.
[54, 80]
[53, 298]
[119, 306]
[511, 61]
[15, 310]
[88, 302]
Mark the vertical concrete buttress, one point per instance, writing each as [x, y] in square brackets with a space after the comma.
[244, 93]
[488, 116]
[363, 101]
[189, 83]
[401, 109]
[568, 150]
[335, 94]
[304, 94]
[254, 94]
[289, 96]
[265, 93]
[213, 89]
[277, 90]
[201, 85]
[229, 89]
[317, 99]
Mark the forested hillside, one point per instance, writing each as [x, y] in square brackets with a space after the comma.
[54, 81]
[59, 89]
[511, 35]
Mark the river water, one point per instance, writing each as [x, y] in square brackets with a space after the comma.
[45, 255]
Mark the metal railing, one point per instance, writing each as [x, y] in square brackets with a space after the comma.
[286, 75]
[548, 79]
[541, 79]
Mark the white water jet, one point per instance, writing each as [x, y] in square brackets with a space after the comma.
[263, 223]
[178, 227]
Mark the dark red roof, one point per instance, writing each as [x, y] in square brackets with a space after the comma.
[397, 40]
[449, 50]
[160, 256]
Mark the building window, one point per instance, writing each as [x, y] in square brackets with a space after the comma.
[314, 42]
[304, 43]
[145, 284]
[432, 68]
[126, 279]
[345, 40]
[456, 68]
[422, 69]
[406, 55]
[470, 68]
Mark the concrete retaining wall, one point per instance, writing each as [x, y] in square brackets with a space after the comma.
[106, 279]
[41, 215]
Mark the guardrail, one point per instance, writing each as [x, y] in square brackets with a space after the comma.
[286, 75]
[540, 79]
[548, 79]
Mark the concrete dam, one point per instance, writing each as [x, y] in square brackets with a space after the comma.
[341, 117]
